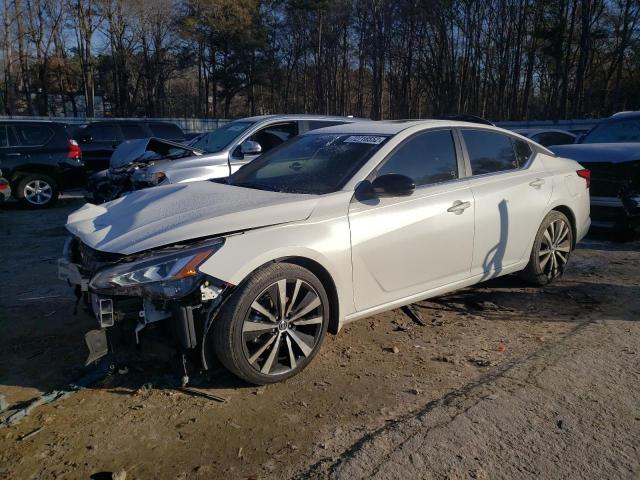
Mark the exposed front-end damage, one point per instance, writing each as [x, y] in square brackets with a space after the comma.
[158, 294]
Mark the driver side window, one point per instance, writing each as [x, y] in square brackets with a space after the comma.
[426, 158]
[274, 135]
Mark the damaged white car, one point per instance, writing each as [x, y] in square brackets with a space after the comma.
[335, 225]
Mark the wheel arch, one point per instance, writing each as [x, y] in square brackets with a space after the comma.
[327, 281]
[567, 212]
[323, 275]
[26, 170]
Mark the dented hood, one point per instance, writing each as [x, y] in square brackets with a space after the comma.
[160, 216]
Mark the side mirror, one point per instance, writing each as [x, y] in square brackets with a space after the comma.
[393, 185]
[249, 147]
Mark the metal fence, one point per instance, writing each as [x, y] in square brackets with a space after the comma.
[188, 125]
[197, 125]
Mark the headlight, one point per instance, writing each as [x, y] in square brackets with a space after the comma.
[142, 175]
[168, 275]
[156, 178]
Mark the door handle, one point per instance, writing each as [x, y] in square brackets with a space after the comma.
[537, 183]
[458, 207]
[13, 154]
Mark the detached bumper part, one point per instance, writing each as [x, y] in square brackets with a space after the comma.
[97, 344]
[185, 328]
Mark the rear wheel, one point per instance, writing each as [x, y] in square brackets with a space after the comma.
[551, 250]
[273, 325]
[37, 191]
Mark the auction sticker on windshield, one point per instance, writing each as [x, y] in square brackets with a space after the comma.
[371, 140]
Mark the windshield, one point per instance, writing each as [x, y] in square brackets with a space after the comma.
[627, 130]
[315, 163]
[217, 140]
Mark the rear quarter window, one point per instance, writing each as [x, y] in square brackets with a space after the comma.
[33, 135]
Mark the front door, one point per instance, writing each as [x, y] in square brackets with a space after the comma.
[406, 246]
[268, 137]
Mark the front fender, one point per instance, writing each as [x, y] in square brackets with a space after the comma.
[195, 174]
[326, 243]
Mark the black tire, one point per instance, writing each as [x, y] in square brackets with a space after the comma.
[37, 190]
[233, 345]
[541, 269]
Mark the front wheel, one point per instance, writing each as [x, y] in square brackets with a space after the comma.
[273, 325]
[551, 250]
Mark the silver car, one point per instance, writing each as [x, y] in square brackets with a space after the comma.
[338, 224]
[231, 146]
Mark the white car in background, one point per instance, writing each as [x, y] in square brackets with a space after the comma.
[338, 224]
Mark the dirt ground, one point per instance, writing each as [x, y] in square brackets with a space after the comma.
[505, 381]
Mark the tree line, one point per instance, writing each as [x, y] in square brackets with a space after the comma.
[500, 59]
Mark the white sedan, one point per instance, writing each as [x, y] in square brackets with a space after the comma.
[335, 225]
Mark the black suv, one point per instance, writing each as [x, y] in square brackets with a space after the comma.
[39, 159]
[98, 140]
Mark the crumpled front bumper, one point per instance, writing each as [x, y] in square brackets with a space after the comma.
[180, 323]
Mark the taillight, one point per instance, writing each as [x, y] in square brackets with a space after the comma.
[74, 150]
[4, 184]
[586, 174]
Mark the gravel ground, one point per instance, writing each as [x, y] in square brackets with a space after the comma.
[504, 381]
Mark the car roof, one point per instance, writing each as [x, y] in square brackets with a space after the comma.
[630, 114]
[299, 116]
[393, 127]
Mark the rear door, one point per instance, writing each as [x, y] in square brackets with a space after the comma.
[10, 151]
[405, 246]
[511, 191]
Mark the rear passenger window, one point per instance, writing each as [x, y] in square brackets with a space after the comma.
[489, 152]
[131, 131]
[166, 131]
[33, 135]
[426, 158]
[102, 133]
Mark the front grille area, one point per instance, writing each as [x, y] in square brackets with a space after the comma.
[90, 259]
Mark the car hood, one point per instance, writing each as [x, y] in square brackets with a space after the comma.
[599, 152]
[142, 150]
[165, 215]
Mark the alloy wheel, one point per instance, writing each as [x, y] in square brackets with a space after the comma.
[38, 192]
[554, 249]
[283, 326]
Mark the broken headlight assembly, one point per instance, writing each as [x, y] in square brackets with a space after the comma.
[165, 275]
[142, 176]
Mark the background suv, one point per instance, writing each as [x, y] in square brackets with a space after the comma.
[39, 159]
[611, 150]
[99, 139]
